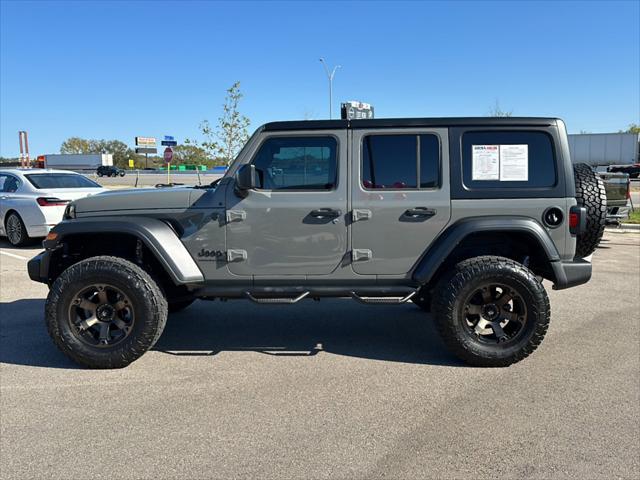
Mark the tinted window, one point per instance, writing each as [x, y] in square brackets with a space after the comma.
[8, 183]
[391, 161]
[297, 163]
[429, 161]
[541, 168]
[60, 180]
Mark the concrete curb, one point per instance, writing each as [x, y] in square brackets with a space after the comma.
[625, 226]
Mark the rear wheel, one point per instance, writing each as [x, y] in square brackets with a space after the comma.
[591, 194]
[105, 312]
[15, 230]
[491, 311]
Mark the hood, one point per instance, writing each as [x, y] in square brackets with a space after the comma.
[139, 199]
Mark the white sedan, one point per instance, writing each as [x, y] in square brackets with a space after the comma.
[33, 200]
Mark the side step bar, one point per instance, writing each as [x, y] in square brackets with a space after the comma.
[274, 300]
[382, 300]
[373, 300]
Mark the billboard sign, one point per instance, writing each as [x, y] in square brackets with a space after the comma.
[149, 142]
[146, 150]
[354, 110]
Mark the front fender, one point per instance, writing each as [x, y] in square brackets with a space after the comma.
[155, 234]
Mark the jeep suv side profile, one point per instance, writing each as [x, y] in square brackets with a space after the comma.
[464, 217]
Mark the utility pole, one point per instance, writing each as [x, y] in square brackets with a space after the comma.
[330, 76]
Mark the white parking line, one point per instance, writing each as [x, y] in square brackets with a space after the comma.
[13, 255]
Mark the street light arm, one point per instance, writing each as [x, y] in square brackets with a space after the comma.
[326, 69]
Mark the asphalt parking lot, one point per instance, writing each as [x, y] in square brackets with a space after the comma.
[328, 390]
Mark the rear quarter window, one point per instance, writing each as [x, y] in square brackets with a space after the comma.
[541, 162]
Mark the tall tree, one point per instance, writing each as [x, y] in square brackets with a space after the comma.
[633, 128]
[496, 111]
[75, 145]
[224, 141]
[189, 154]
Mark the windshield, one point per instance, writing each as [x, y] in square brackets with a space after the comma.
[60, 180]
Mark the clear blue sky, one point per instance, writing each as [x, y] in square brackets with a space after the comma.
[115, 70]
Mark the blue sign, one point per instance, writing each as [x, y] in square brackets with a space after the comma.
[169, 137]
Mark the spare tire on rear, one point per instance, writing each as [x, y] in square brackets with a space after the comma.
[591, 194]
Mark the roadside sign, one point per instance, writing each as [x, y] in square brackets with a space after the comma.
[169, 141]
[145, 141]
[146, 150]
[131, 164]
[168, 155]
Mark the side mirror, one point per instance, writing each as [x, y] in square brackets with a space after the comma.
[246, 179]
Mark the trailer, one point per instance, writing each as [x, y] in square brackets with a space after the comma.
[75, 162]
[605, 149]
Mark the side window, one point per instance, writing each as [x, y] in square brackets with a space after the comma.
[8, 184]
[297, 163]
[508, 159]
[395, 161]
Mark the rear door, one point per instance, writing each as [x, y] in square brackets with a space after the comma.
[400, 197]
[294, 224]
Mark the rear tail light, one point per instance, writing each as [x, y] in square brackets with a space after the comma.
[577, 220]
[574, 220]
[51, 202]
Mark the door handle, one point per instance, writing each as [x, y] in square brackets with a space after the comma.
[325, 213]
[420, 212]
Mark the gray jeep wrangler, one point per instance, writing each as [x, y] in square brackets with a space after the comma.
[464, 217]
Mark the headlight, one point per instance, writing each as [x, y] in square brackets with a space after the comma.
[69, 212]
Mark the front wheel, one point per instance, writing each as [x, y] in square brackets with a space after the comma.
[105, 312]
[491, 311]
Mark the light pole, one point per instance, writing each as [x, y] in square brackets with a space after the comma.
[330, 76]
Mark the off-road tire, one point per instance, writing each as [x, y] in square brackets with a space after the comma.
[180, 305]
[18, 237]
[591, 194]
[148, 303]
[450, 320]
[422, 299]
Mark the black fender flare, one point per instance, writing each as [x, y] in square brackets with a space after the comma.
[445, 244]
[160, 238]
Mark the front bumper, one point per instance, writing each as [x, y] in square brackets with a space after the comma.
[38, 267]
[571, 274]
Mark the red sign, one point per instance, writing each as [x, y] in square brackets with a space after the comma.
[168, 154]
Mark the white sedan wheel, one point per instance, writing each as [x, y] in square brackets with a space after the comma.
[16, 233]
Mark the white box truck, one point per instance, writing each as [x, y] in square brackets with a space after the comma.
[604, 149]
[75, 162]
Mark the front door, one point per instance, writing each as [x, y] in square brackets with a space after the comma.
[400, 199]
[294, 223]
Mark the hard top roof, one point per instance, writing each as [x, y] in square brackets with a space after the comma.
[410, 122]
